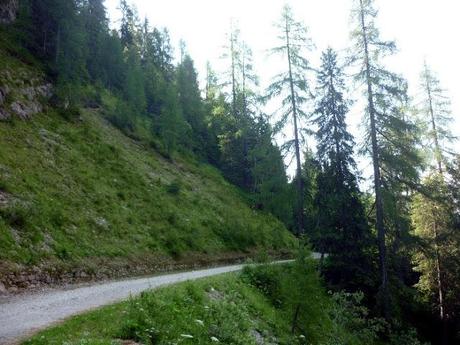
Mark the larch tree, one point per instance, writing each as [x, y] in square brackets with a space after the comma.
[293, 86]
[434, 211]
[231, 56]
[389, 136]
[240, 83]
[437, 116]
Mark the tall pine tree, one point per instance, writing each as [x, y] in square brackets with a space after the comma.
[389, 135]
[293, 87]
[341, 228]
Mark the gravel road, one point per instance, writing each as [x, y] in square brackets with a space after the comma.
[22, 315]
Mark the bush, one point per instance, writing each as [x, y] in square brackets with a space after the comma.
[174, 187]
[121, 116]
[267, 279]
[16, 215]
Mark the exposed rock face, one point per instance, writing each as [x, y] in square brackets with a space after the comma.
[8, 11]
[3, 290]
[23, 93]
[4, 198]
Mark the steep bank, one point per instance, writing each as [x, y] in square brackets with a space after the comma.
[79, 200]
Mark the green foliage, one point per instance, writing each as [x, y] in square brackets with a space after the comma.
[348, 312]
[122, 117]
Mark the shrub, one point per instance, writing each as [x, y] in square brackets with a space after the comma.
[267, 279]
[174, 187]
[121, 116]
[16, 215]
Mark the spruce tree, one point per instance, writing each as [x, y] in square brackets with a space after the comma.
[191, 105]
[434, 220]
[96, 28]
[270, 186]
[341, 226]
[128, 27]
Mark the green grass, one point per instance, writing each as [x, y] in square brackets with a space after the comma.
[81, 190]
[233, 308]
[223, 307]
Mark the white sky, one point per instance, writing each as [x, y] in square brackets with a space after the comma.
[423, 29]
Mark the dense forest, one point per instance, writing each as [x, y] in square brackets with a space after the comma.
[399, 244]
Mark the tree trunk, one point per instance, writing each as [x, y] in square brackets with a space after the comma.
[58, 44]
[439, 278]
[232, 51]
[294, 319]
[300, 193]
[384, 293]
[440, 284]
[244, 116]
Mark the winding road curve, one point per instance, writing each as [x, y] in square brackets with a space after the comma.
[22, 315]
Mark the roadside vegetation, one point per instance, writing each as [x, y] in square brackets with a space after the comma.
[267, 304]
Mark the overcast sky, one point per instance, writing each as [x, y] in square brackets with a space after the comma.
[423, 29]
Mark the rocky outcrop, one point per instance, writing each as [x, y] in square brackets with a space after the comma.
[23, 93]
[8, 11]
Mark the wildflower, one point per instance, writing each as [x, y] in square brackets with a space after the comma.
[214, 339]
[188, 336]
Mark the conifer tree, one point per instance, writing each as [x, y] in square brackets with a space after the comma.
[341, 226]
[270, 186]
[191, 105]
[433, 212]
[96, 28]
[389, 135]
[437, 117]
[212, 88]
[128, 25]
[113, 72]
[232, 54]
[292, 85]
[433, 216]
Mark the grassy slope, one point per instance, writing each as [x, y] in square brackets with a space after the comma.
[84, 189]
[81, 190]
